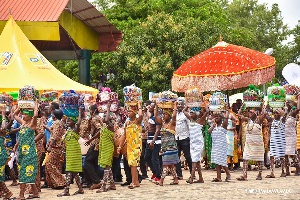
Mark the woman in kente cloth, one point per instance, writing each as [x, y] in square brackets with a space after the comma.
[55, 147]
[292, 109]
[196, 139]
[26, 147]
[277, 142]
[4, 191]
[73, 155]
[106, 151]
[168, 142]
[254, 144]
[133, 131]
[219, 144]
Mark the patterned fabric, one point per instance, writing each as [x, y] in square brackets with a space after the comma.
[243, 134]
[134, 144]
[73, 152]
[230, 139]
[40, 130]
[8, 142]
[277, 139]
[84, 129]
[196, 141]
[53, 168]
[169, 147]
[28, 160]
[254, 145]
[3, 159]
[106, 148]
[58, 130]
[208, 144]
[219, 146]
[290, 136]
[146, 126]
[96, 125]
[266, 134]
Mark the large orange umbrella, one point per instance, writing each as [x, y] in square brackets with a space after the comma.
[224, 67]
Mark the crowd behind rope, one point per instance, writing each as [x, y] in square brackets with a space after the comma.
[50, 156]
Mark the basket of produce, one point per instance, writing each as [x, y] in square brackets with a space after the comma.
[107, 96]
[253, 97]
[193, 97]
[217, 102]
[132, 95]
[291, 92]
[70, 103]
[27, 97]
[166, 99]
[276, 96]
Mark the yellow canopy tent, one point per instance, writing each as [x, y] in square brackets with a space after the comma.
[22, 64]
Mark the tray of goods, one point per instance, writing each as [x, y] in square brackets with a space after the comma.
[107, 96]
[70, 103]
[291, 92]
[194, 97]
[166, 99]
[217, 102]
[253, 97]
[132, 95]
[27, 97]
[276, 96]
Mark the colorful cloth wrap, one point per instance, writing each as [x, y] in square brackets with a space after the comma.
[168, 111]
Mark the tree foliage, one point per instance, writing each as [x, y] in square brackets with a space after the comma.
[159, 35]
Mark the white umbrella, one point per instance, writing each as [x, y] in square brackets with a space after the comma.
[291, 72]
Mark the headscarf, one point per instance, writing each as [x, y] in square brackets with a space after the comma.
[28, 112]
[133, 109]
[73, 118]
[169, 111]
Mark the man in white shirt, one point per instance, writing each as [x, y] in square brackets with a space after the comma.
[183, 138]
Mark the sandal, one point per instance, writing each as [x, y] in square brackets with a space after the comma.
[271, 176]
[79, 192]
[34, 197]
[242, 178]
[174, 183]
[216, 180]
[198, 181]
[132, 186]
[14, 184]
[61, 194]
[227, 179]
[190, 181]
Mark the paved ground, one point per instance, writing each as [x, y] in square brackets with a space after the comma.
[277, 188]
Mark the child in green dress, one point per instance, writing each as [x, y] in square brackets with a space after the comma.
[73, 155]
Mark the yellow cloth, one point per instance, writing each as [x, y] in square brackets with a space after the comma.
[134, 144]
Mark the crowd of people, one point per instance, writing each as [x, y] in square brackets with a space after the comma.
[144, 136]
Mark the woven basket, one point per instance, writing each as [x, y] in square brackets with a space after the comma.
[252, 104]
[26, 104]
[194, 104]
[215, 108]
[168, 104]
[276, 104]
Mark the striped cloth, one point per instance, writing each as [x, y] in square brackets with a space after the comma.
[106, 148]
[219, 146]
[290, 135]
[73, 152]
[298, 134]
[196, 141]
[277, 139]
[254, 144]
